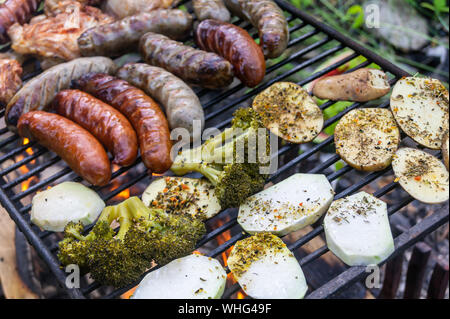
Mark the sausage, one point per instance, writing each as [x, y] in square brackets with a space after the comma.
[123, 36]
[40, 91]
[125, 8]
[191, 65]
[268, 18]
[237, 46]
[107, 124]
[144, 114]
[182, 106]
[10, 80]
[211, 9]
[15, 11]
[76, 146]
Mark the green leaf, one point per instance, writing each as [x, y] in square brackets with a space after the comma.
[355, 13]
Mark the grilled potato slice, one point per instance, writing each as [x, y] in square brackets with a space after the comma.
[182, 195]
[289, 112]
[367, 139]
[357, 230]
[445, 149]
[422, 175]
[420, 107]
[266, 269]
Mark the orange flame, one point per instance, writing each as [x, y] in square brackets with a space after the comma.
[24, 169]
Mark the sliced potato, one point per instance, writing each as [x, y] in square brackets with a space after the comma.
[445, 149]
[422, 175]
[367, 139]
[67, 202]
[289, 112]
[266, 269]
[420, 107]
[191, 277]
[357, 230]
[295, 203]
[183, 195]
[361, 85]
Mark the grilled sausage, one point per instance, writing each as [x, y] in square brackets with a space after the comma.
[125, 8]
[40, 91]
[268, 18]
[107, 124]
[182, 106]
[15, 11]
[235, 45]
[211, 9]
[193, 66]
[10, 81]
[144, 114]
[76, 146]
[122, 36]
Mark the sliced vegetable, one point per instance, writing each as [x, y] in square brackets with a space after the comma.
[191, 277]
[181, 195]
[266, 269]
[367, 139]
[67, 202]
[357, 230]
[445, 149]
[289, 112]
[420, 106]
[422, 175]
[295, 203]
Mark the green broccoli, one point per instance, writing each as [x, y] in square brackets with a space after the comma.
[145, 235]
[231, 160]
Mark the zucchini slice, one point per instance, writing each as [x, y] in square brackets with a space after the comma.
[422, 175]
[291, 205]
[445, 149]
[367, 139]
[420, 106]
[67, 202]
[289, 112]
[357, 230]
[183, 195]
[191, 277]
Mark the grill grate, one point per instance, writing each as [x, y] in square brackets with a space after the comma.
[309, 35]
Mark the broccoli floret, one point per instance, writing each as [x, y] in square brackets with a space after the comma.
[145, 235]
[231, 160]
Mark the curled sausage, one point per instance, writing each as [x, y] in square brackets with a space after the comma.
[235, 45]
[37, 93]
[268, 18]
[182, 106]
[10, 80]
[191, 65]
[76, 146]
[144, 114]
[107, 124]
[15, 11]
[211, 9]
[123, 35]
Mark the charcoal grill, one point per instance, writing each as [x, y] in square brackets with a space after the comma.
[219, 107]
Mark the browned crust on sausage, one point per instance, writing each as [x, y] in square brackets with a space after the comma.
[237, 46]
[107, 124]
[76, 146]
[15, 11]
[144, 114]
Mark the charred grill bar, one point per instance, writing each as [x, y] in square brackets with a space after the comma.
[218, 107]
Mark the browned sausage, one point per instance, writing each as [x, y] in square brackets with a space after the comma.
[237, 46]
[76, 146]
[107, 124]
[15, 11]
[144, 114]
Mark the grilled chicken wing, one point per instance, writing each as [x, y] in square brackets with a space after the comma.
[10, 81]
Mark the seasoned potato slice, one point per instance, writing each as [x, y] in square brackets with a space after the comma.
[422, 175]
[445, 149]
[289, 112]
[420, 106]
[367, 139]
[357, 230]
[183, 195]
[359, 86]
[266, 269]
